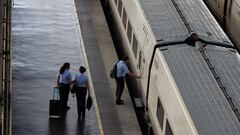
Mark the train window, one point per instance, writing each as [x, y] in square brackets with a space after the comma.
[160, 112]
[168, 129]
[135, 46]
[120, 7]
[116, 1]
[129, 32]
[124, 19]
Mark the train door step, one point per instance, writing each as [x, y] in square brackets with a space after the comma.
[138, 102]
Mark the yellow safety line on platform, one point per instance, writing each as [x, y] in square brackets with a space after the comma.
[92, 91]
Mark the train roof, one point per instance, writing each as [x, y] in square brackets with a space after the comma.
[200, 90]
[169, 22]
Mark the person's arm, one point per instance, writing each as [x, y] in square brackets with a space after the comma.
[133, 75]
[70, 78]
[87, 86]
[126, 70]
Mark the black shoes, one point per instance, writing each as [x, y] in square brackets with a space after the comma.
[119, 102]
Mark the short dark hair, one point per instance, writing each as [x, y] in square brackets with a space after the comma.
[82, 69]
[64, 67]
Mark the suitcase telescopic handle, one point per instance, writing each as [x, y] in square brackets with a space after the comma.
[55, 91]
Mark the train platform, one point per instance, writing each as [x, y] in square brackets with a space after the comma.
[74, 32]
[42, 42]
[102, 56]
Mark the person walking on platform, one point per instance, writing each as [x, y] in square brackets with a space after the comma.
[63, 83]
[122, 71]
[82, 87]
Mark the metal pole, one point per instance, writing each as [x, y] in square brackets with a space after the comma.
[1, 68]
[5, 66]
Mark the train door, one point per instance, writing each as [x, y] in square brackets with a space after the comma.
[233, 20]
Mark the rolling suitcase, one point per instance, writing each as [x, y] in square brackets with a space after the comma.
[55, 105]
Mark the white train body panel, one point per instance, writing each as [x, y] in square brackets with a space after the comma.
[146, 39]
[166, 90]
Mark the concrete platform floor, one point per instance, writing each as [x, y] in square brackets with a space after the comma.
[101, 54]
[45, 35]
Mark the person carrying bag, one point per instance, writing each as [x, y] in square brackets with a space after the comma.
[81, 91]
[63, 83]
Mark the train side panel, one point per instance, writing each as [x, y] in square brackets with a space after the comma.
[165, 102]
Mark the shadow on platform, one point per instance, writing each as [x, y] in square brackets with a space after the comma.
[58, 126]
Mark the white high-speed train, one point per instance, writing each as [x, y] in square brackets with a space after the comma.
[228, 13]
[190, 69]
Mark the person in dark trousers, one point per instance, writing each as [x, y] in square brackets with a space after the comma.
[82, 87]
[122, 71]
[63, 83]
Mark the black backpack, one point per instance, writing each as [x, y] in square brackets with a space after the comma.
[113, 72]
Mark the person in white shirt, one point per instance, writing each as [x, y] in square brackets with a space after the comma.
[63, 83]
[82, 87]
[122, 71]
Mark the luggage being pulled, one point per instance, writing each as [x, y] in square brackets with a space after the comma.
[55, 105]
